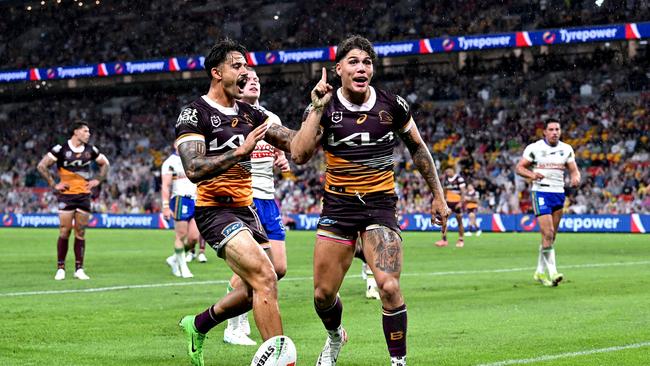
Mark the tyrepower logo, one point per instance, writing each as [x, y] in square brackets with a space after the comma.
[586, 35]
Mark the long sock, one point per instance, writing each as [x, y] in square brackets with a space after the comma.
[206, 321]
[201, 245]
[331, 317]
[549, 259]
[61, 251]
[395, 324]
[444, 237]
[79, 251]
[541, 266]
[233, 323]
[180, 255]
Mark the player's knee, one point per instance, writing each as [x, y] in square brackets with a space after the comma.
[265, 281]
[323, 297]
[548, 236]
[389, 287]
[281, 270]
[64, 232]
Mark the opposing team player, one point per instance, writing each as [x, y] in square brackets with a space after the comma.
[183, 196]
[263, 159]
[359, 125]
[216, 135]
[73, 160]
[548, 158]
[454, 187]
[471, 196]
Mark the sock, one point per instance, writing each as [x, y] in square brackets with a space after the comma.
[395, 324]
[331, 317]
[206, 321]
[444, 237]
[61, 251]
[233, 323]
[79, 251]
[201, 245]
[549, 259]
[180, 255]
[541, 266]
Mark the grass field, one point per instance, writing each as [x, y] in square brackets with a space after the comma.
[472, 306]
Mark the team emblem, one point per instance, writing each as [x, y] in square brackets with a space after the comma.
[215, 120]
[68, 154]
[337, 117]
[248, 119]
[385, 117]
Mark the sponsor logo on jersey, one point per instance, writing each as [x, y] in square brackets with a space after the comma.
[402, 102]
[188, 116]
[233, 143]
[362, 118]
[326, 221]
[359, 139]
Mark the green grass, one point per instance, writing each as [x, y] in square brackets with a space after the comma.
[462, 311]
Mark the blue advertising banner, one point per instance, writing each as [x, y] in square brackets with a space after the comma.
[134, 221]
[548, 37]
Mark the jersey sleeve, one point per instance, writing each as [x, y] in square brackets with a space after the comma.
[572, 155]
[94, 152]
[403, 120]
[188, 127]
[166, 167]
[529, 154]
[260, 116]
[55, 152]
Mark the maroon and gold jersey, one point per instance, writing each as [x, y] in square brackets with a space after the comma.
[222, 129]
[453, 186]
[358, 141]
[74, 164]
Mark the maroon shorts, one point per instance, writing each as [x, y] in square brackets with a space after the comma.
[74, 202]
[344, 217]
[218, 225]
[455, 207]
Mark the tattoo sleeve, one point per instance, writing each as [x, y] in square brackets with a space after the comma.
[423, 160]
[43, 168]
[280, 137]
[199, 167]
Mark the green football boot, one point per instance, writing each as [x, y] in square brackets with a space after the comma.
[557, 278]
[542, 278]
[194, 340]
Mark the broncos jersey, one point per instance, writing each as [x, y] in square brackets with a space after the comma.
[222, 129]
[452, 187]
[74, 164]
[358, 141]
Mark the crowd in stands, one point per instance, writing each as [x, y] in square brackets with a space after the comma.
[64, 33]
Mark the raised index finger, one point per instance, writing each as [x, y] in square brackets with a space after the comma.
[324, 76]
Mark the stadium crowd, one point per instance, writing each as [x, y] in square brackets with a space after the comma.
[64, 33]
[477, 121]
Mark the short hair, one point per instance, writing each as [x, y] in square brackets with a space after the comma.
[551, 120]
[355, 42]
[77, 125]
[220, 51]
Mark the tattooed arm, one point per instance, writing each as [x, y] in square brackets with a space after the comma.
[43, 167]
[103, 163]
[306, 139]
[280, 137]
[199, 167]
[427, 168]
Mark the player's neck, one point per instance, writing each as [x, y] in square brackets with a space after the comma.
[218, 96]
[356, 98]
[75, 142]
[251, 101]
[550, 144]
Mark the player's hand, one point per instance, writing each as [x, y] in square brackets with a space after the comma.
[575, 181]
[322, 92]
[93, 183]
[538, 176]
[251, 140]
[440, 212]
[281, 161]
[61, 187]
[167, 213]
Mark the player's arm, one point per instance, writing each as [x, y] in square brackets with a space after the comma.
[523, 170]
[104, 165]
[165, 194]
[305, 142]
[280, 136]
[199, 167]
[427, 168]
[43, 168]
[574, 173]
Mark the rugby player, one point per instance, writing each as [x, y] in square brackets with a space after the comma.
[73, 160]
[454, 187]
[183, 197]
[543, 163]
[263, 159]
[471, 196]
[359, 125]
[215, 136]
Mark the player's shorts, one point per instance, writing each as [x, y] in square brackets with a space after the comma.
[455, 207]
[182, 208]
[545, 203]
[218, 225]
[74, 202]
[271, 218]
[344, 217]
[471, 208]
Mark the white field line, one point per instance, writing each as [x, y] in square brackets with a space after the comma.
[216, 282]
[567, 355]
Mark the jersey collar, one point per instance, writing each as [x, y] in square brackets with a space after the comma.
[229, 111]
[368, 105]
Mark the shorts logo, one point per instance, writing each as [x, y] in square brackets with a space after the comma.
[231, 228]
[326, 221]
[215, 121]
[541, 201]
[337, 117]
[68, 154]
[385, 117]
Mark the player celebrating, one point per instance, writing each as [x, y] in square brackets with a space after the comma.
[548, 158]
[73, 161]
[359, 124]
[263, 158]
[216, 135]
[183, 195]
[454, 187]
[471, 197]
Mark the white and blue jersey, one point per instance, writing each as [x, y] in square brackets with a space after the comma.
[183, 190]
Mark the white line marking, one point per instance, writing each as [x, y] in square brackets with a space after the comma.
[567, 355]
[286, 279]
